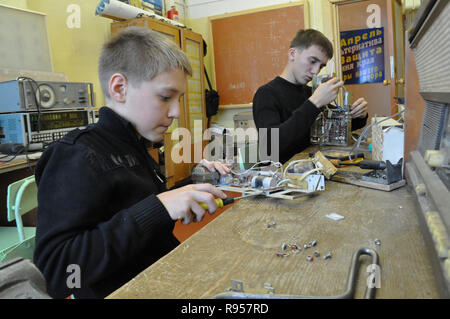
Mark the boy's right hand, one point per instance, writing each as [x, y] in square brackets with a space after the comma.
[326, 92]
[183, 203]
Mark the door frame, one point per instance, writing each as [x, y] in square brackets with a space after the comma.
[391, 79]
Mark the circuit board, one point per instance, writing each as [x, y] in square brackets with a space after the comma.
[332, 127]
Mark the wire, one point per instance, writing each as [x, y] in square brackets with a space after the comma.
[23, 150]
[28, 160]
[13, 156]
[337, 105]
[295, 162]
[284, 181]
[36, 90]
[276, 164]
[309, 173]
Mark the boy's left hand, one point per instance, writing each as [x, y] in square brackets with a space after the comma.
[359, 108]
[222, 168]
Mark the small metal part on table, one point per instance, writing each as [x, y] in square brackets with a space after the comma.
[351, 284]
[279, 254]
[237, 286]
[327, 256]
[316, 254]
[271, 225]
[377, 242]
[334, 216]
[310, 258]
[269, 287]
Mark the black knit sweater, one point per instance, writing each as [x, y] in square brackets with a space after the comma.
[97, 209]
[284, 105]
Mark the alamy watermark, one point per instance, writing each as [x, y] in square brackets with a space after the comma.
[374, 277]
[74, 278]
[74, 18]
[222, 146]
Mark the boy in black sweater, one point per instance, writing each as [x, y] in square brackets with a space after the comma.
[286, 103]
[103, 211]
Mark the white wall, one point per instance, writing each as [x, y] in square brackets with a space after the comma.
[318, 9]
[205, 8]
[22, 4]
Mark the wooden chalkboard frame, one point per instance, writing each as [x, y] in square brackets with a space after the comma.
[306, 21]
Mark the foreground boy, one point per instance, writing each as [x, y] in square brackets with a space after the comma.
[103, 208]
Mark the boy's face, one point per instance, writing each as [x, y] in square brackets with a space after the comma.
[306, 63]
[153, 106]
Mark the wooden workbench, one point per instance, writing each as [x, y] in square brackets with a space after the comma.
[238, 245]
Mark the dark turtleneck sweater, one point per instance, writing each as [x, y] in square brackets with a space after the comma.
[286, 106]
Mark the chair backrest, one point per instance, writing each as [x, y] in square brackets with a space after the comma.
[22, 197]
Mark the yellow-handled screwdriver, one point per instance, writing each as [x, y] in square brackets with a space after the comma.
[220, 202]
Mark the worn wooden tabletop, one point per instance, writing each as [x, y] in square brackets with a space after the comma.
[238, 245]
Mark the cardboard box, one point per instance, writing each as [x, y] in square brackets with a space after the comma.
[388, 140]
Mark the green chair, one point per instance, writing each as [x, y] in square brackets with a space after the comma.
[19, 241]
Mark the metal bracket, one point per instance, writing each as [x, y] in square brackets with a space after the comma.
[348, 294]
[237, 286]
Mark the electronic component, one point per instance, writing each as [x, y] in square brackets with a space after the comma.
[332, 127]
[201, 174]
[263, 181]
[384, 172]
[33, 127]
[26, 95]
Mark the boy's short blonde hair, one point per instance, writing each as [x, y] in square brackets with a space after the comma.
[139, 54]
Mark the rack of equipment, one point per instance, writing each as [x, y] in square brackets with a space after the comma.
[24, 95]
[33, 128]
[35, 113]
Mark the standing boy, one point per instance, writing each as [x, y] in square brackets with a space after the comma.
[288, 104]
[102, 204]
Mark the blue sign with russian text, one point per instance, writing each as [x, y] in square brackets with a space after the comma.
[362, 56]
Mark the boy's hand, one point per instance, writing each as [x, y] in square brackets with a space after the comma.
[326, 92]
[222, 168]
[359, 108]
[182, 203]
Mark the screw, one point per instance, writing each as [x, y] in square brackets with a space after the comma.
[327, 256]
[316, 254]
[377, 242]
[269, 287]
[282, 254]
[271, 225]
[283, 246]
[313, 242]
